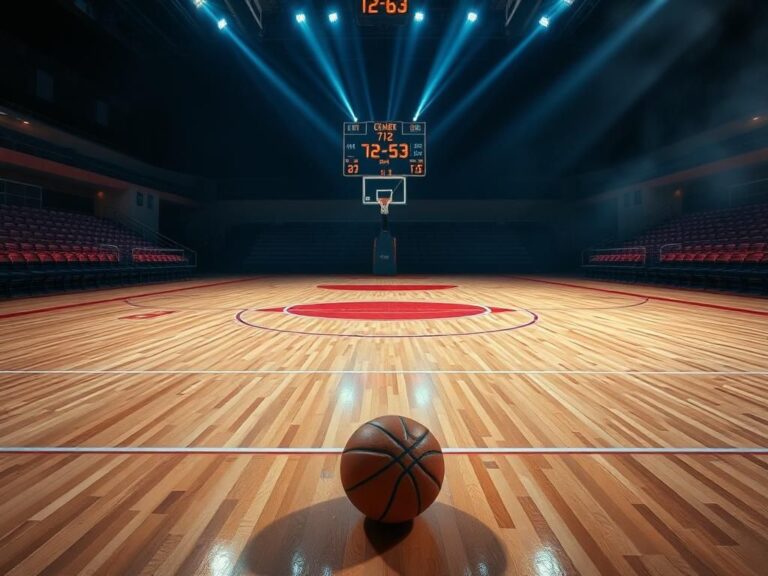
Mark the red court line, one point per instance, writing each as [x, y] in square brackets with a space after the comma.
[108, 300]
[659, 298]
[386, 287]
[392, 310]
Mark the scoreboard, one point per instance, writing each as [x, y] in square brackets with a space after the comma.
[383, 12]
[385, 149]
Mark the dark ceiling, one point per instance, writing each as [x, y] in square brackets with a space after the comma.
[580, 97]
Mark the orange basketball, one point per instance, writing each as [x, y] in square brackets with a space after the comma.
[392, 469]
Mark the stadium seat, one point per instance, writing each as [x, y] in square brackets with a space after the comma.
[707, 246]
[41, 248]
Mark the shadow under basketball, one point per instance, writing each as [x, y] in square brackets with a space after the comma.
[327, 537]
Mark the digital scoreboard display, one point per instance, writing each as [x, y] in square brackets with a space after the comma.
[385, 149]
[391, 7]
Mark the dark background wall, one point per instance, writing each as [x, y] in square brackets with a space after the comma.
[569, 145]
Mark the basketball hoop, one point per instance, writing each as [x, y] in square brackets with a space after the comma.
[384, 203]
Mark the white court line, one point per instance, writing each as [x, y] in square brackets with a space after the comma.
[223, 450]
[406, 372]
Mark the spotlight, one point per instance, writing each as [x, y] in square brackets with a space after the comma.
[333, 17]
[301, 17]
[544, 21]
[472, 16]
[569, 2]
[222, 23]
[419, 16]
[199, 3]
[756, 119]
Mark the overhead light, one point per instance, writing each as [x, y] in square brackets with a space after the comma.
[472, 16]
[754, 119]
[25, 122]
[199, 3]
[569, 2]
[222, 23]
[419, 16]
[301, 17]
[544, 21]
[333, 17]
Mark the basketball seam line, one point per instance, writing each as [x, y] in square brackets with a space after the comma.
[416, 461]
[405, 429]
[418, 492]
[405, 450]
[369, 450]
[396, 441]
[410, 475]
[395, 459]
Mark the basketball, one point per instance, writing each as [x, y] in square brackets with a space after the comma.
[392, 469]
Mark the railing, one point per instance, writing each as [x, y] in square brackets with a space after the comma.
[161, 241]
[112, 248]
[705, 248]
[666, 248]
[160, 257]
[627, 257]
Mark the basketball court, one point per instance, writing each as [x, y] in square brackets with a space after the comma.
[196, 427]
[384, 288]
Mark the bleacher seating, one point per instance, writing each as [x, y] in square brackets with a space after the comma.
[40, 248]
[158, 256]
[743, 225]
[617, 258]
[718, 245]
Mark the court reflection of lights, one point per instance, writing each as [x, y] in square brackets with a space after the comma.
[221, 561]
[347, 394]
[423, 394]
[298, 564]
[347, 390]
[479, 569]
[545, 563]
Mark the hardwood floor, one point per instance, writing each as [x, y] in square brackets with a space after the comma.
[564, 365]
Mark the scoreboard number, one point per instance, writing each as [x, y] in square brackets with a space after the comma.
[384, 6]
[385, 149]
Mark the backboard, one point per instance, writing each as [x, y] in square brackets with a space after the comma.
[393, 186]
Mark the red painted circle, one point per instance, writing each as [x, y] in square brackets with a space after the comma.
[386, 287]
[386, 310]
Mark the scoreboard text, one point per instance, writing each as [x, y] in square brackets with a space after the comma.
[385, 149]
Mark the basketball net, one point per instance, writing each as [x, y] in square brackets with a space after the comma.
[384, 203]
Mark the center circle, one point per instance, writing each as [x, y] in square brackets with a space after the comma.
[386, 310]
[386, 287]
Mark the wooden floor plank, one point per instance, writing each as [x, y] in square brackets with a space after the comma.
[225, 514]
[647, 367]
[295, 410]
